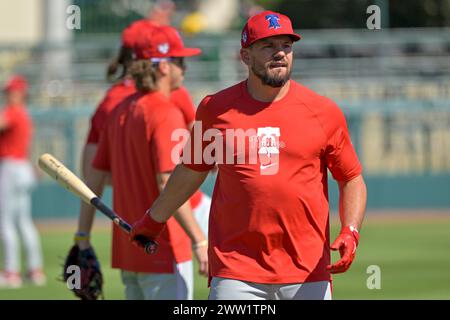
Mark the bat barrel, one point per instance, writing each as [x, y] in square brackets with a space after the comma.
[55, 169]
[66, 178]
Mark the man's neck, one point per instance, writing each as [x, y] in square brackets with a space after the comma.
[265, 93]
[164, 87]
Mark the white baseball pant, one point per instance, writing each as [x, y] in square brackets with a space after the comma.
[16, 182]
[231, 289]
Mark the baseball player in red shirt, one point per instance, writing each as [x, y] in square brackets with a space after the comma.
[123, 87]
[16, 182]
[274, 142]
[135, 147]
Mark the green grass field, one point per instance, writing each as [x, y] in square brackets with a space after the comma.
[413, 254]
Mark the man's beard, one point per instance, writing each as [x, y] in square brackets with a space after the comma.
[275, 81]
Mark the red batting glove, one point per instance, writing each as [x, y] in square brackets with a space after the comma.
[346, 243]
[147, 227]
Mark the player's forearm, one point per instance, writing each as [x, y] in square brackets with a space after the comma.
[89, 151]
[181, 185]
[95, 181]
[352, 202]
[86, 218]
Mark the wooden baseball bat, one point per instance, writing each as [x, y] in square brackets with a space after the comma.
[66, 178]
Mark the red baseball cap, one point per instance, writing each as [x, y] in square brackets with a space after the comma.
[16, 83]
[162, 42]
[133, 31]
[267, 24]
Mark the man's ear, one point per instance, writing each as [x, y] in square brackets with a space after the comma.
[245, 55]
[164, 67]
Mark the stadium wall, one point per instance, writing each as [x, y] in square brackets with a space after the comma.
[404, 151]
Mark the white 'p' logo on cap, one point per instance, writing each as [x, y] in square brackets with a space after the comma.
[163, 48]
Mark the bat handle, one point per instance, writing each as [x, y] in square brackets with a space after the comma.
[150, 246]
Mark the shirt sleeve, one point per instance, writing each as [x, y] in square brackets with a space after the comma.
[161, 142]
[97, 122]
[193, 152]
[340, 155]
[94, 132]
[182, 99]
[102, 156]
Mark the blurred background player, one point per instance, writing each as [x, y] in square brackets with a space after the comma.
[16, 182]
[124, 86]
[136, 148]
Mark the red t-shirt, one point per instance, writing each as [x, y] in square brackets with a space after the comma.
[135, 145]
[117, 93]
[15, 140]
[269, 220]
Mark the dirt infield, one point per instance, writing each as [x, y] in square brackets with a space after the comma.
[372, 217]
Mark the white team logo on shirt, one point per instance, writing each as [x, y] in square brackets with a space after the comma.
[253, 146]
[268, 150]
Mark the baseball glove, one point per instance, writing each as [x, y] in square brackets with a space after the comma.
[89, 286]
